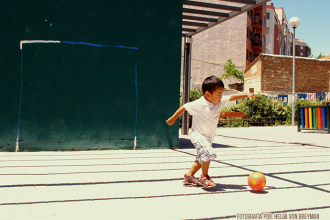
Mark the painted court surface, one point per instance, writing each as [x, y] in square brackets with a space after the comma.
[147, 184]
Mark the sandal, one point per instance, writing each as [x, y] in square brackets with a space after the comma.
[206, 181]
[191, 180]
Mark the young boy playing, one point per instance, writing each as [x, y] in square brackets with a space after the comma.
[206, 112]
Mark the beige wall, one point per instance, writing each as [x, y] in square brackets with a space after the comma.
[252, 77]
[213, 47]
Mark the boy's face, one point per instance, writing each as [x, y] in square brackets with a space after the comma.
[216, 96]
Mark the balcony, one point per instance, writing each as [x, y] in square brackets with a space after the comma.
[257, 24]
[256, 45]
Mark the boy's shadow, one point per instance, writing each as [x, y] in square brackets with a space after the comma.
[185, 143]
[223, 187]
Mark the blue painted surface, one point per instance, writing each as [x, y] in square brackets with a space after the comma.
[98, 45]
[302, 116]
[302, 96]
[324, 117]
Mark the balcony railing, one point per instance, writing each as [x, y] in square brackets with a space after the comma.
[256, 42]
[257, 24]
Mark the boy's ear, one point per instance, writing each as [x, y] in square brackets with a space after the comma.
[208, 94]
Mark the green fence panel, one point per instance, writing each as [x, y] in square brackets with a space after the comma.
[111, 74]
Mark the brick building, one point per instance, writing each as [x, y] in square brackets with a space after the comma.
[272, 74]
[302, 49]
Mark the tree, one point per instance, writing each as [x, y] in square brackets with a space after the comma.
[231, 71]
[320, 56]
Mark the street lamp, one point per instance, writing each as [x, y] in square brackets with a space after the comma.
[294, 23]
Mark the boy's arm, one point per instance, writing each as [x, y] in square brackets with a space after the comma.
[242, 95]
[172, 119]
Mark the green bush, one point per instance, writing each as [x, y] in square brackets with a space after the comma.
[195, 94]
[260, 107]
[258, 110]
[266, 111]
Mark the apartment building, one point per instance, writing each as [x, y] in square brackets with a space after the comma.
[256, 33]
[286, 37]
[302, 49]
[274, 32]
[279, 37]
[241, 39]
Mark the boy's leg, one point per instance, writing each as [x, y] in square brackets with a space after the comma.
[205, 154]
[194, 168]
[205, 179]
[205, 168]
[189, 177]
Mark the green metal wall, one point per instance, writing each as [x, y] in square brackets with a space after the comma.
[114, 74]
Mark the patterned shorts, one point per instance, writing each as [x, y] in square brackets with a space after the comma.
[205, 151]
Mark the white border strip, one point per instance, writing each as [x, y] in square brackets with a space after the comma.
[37, 41]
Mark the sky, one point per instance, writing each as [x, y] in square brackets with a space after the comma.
[314, 26]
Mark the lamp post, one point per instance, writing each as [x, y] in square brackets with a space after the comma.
[294, 23]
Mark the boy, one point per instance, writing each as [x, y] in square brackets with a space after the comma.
[206, 112]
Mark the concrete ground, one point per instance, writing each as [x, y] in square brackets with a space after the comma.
[147, 184]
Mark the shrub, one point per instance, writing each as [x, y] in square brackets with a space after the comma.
[195, 94]
[260, 107]
[268, 110]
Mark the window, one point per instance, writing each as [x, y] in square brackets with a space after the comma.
[301, 47]
[248, 55]
[263, 40]
[251, 14]
[267, 30]
[301, 54]
[268, 16]
[264, 21]
[249, 34]
[257, 19]
[251, 90]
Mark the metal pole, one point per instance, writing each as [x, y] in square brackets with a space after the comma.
[328, 116]
[186, 76]
[293, 79]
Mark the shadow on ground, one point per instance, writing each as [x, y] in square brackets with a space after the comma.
[185, 143]
[259, 192]
[223, 187]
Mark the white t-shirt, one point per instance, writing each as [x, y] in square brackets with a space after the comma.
[205, 118]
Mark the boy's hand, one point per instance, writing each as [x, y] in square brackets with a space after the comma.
[250, 96]
[170, 121]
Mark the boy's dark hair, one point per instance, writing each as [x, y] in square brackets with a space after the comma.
[211, 83]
